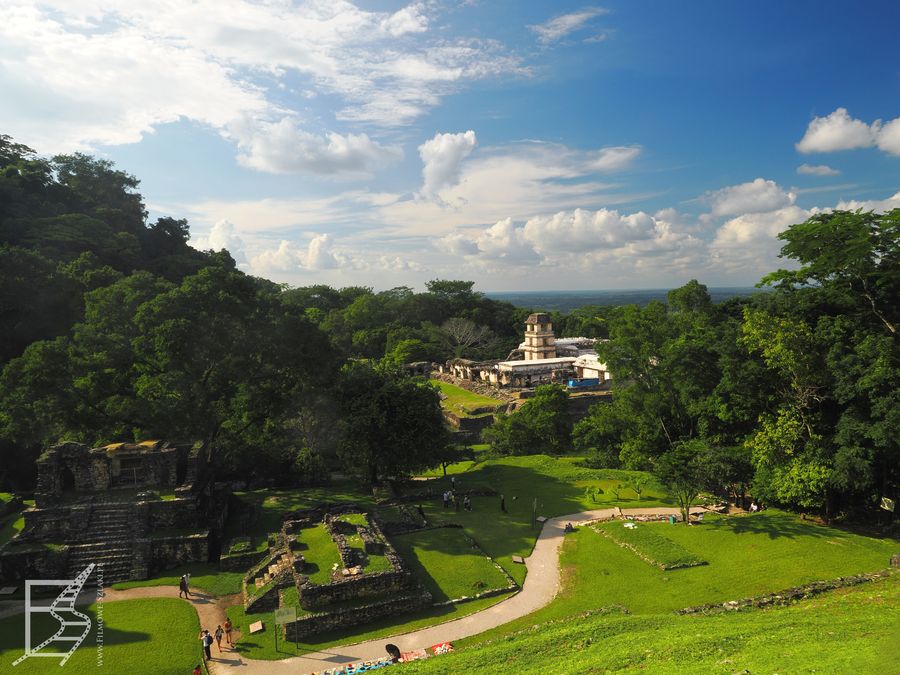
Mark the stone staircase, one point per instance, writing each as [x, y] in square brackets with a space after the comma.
[276, 568]
[113, 560]
[106, 541]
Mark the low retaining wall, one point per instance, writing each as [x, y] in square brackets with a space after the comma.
[788, 596]
[240, 562]
[313, 596]
[313, 624]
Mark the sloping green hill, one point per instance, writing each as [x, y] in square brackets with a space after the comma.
[854, 630]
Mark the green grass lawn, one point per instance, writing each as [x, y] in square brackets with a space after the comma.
[158, 635]
[852, 630]
[447, 565]
[463, 402]
[204, 577]
[649, 542]
[747, 555]
[320, 552]
[559, 486]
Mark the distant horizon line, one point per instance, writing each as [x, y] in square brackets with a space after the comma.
[629, 290]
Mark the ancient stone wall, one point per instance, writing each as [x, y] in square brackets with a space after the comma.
[789, 595]
[240, 562]
[55, 523]
[313, 596]
[19, 563]
[313, 624]
[173, 513]
[168, 552]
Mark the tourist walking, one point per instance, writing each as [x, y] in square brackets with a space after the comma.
[228, 631]
[467, 503]
[183, 588]
[197, 670]
[206, 640]
[219, 634]
[447, 499]
[456, 502]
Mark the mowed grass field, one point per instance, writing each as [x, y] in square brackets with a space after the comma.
[747, 555]
[556, 484]
[156, 636]
[854, 630]
[447, 565]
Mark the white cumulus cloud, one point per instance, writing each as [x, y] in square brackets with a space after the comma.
[878, 205]
[283, 147]
[749, 241]
[582, 230]
[889, 137]
[442, 158]
[837, 131]
[222, 235]
[290, 257]
[756, 196]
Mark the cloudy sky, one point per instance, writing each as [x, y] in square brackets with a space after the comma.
[521, 144]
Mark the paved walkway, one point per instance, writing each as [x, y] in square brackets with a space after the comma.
[540, 587]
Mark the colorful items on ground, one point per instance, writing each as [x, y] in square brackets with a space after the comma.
[375, 664]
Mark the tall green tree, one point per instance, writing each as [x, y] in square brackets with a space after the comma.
[391, 425]
[542, 424]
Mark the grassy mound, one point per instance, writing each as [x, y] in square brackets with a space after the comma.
[465, 403]
[846, 631]
[647, 542]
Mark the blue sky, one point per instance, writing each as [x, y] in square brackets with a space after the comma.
[522, 145]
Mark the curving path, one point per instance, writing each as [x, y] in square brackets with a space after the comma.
[540, 587]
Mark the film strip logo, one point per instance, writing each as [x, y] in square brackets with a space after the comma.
[73, 625]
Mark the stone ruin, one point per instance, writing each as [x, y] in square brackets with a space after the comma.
[352, 597]
[101, 505]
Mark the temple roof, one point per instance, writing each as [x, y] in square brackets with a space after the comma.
[538, 317]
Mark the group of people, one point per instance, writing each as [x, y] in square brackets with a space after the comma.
[206, 639]
[451, 497]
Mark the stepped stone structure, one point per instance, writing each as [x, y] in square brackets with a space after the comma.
[130, 508]
[352, 597]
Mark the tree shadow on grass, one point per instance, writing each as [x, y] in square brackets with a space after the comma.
[774, 524]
